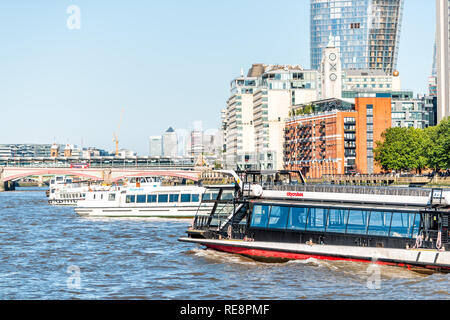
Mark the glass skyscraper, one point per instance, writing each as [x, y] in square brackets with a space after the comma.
[443, 58]
[367, 32]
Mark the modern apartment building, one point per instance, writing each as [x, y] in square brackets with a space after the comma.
[336, 136]
[407, 110]
[373, 80]
[443, 58]
[256, 113]
[412, 112]
[367, 32]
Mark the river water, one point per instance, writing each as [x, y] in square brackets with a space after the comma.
[51, 253]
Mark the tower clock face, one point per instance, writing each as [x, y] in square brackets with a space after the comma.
[333, 77]
[332, 56]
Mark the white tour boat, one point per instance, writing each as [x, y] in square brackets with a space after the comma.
[141, 200]
[63, 191]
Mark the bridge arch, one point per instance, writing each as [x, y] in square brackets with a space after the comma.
[99, 174]
[194, 176]
[12, 176]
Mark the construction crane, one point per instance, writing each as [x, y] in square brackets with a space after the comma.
[116, 136]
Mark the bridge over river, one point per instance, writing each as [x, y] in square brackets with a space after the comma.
[10, 174]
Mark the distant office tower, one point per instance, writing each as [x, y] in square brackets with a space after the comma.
[196, 146]
[182, 138]
[443, 59]
[432, 80]
[367, 32]
[170, 143]
[155, 146]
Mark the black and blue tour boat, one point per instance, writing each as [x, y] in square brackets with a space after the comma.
[274, 218]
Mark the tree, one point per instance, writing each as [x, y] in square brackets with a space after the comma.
[402, 149]
[438, 146]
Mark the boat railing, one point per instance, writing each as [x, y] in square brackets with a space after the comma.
[215, 219]
[393, 191]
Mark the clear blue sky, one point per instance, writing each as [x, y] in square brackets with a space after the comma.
[167, 63]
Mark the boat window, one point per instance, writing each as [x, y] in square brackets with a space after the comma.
[416, 225]
[214, 195]
[112, 197]
[185, 198]
[206, 196]
[130, 199]
[260, 216]
[227, 196]
[163, 198]
[379, 223]
[297, 218]
[402, 224]
[357, 222]
[151, 198]
[316, 219]
[195, 197]
[141, 198]
[174, 197]
[278, 217]
[337, 220]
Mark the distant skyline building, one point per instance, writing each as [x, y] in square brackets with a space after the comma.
[443, 58]
[155, 146]
[48, 150]
[367, 32]
[196, 146]
[170, 143]
[432, 79]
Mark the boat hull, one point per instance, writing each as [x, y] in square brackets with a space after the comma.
[129, 212]
[416, 260]
[64, 202]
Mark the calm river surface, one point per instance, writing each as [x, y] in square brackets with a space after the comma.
[51, 253]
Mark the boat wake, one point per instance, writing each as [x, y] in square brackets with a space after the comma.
[222, 257]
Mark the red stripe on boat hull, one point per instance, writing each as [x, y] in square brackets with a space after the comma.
[280, 255]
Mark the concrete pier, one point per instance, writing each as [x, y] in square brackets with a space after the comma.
[7, 186]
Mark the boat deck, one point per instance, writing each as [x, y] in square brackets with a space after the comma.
[392, 191]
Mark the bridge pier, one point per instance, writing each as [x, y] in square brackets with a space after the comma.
[41, 181]
[107, 176]
[7, 186]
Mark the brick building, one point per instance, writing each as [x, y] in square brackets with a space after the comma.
[336, 136]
